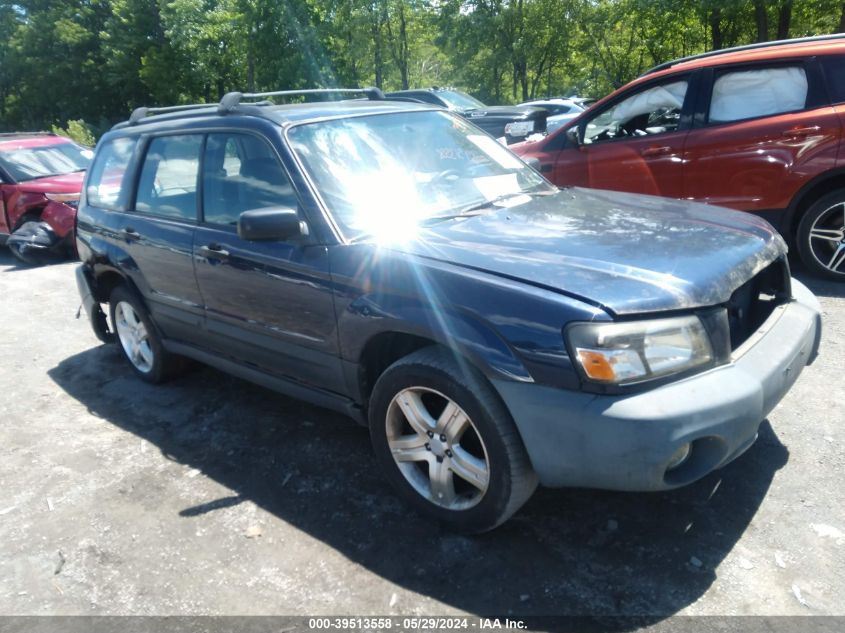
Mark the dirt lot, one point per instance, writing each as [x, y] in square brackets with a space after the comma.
[212, 496]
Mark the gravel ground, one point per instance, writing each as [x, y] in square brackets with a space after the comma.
[212, 496]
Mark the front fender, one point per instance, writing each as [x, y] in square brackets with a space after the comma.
[510, 330]
[26, 202]
[371, 315]
[60, 217]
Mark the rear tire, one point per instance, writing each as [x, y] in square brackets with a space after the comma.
[821, 236]
[138, 338]
[447, 443]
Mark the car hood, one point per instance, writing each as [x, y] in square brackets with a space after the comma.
[64, 183]
[625, 253]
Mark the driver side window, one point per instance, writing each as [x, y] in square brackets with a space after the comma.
[655, 110]
[241, 173]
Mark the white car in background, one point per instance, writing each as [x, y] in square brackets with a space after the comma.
[560, 111]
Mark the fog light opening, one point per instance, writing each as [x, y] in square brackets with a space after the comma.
[679, 457]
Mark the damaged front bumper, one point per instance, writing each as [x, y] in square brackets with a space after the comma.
[35, 242]
[92, 308]
[627, 442]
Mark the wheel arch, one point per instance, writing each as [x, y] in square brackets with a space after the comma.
[28, 208]
[381, 351]
[808, 194]
[485, 351]
[107, 279]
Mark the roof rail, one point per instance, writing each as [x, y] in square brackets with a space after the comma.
[140, 113]
[746, 47]
[231, 100]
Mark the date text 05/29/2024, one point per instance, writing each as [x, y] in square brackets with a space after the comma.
[414, 624]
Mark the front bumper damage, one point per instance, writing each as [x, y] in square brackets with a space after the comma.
[626, 442]
[37, 242]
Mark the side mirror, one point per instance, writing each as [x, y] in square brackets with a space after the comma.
[573, 134]
[271, 223]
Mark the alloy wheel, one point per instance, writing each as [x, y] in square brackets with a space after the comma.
[827, 238]
[133, 337]
[437, 448]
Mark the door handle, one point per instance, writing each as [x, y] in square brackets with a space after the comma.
[130, 234]
[801, 132]
[214, 251]
[657, 151]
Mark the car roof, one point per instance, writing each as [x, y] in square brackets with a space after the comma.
[781, 49]
[432, 89]
[762, 52]
[297, 113]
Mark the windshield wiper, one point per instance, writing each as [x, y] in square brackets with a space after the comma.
[466, 213]
[471, 210]
[476, 207]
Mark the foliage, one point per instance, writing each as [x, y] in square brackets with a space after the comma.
[79, 131]
[95, 60]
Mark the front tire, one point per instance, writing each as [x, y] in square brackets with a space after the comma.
[138, 338]
[821, 236]
[447, 443]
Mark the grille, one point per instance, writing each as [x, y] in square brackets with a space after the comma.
[753, 302]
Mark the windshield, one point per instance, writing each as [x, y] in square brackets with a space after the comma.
[24, 162]
[380, 173]
[460, 100]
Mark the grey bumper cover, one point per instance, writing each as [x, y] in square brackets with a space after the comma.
[625, 442]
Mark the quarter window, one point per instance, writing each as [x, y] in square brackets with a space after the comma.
[748, 94]
[168, 183]
[107, 173]
[241, 172]
[834, 70]
[655, 110]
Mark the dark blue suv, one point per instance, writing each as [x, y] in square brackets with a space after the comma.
[394, 262]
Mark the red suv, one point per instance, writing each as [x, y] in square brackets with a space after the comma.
[756, 128]
[40, 180]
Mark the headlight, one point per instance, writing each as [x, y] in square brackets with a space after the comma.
[624, 353]
[63, 197]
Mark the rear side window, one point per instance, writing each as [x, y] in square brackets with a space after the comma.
[240, 173]
[168, 182]
[834, 70]
[753, 93]
[105, 182]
